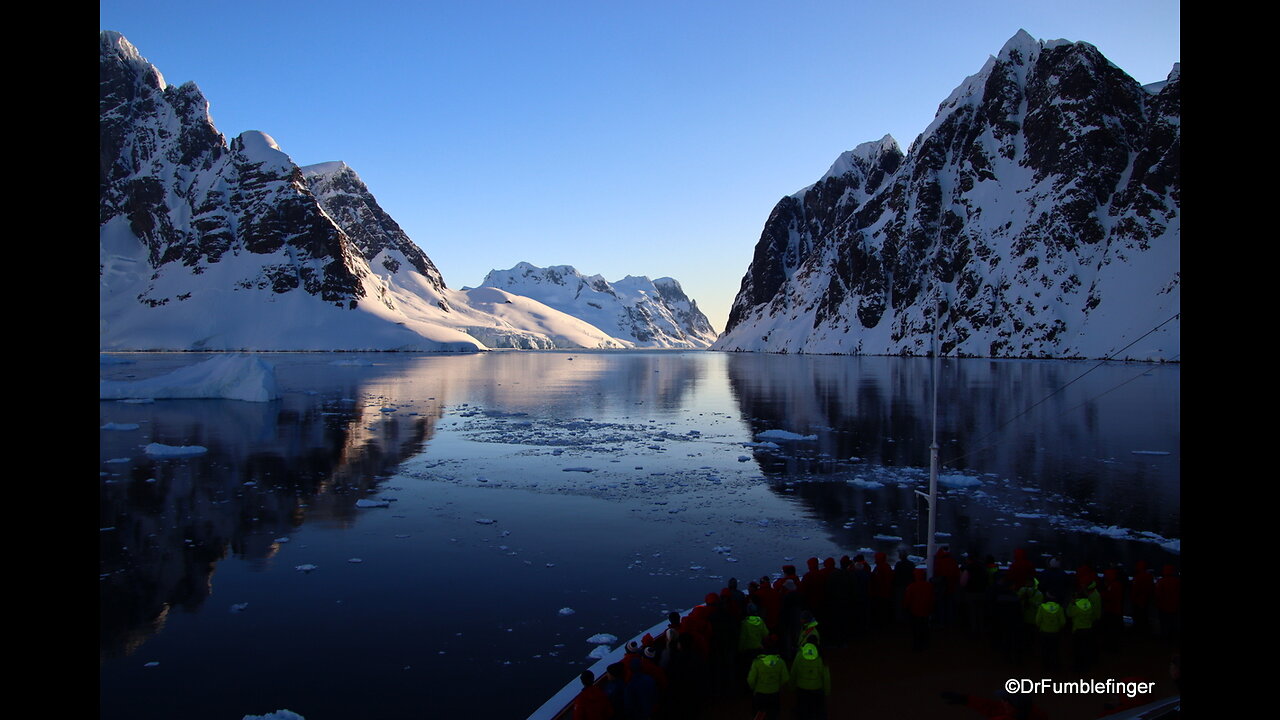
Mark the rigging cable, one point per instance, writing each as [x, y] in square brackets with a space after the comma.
[1064, 387]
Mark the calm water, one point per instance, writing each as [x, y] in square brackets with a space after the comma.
[536, 499]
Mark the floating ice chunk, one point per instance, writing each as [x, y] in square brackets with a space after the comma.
[602, 639]
[566, 611]
[868, 484]
[117, 460]
[231, 377]
[355, 560]
[886, 537]
[281, 540]
[959, 480]
[600, 652]
[942, 534]
[784, 435]
[367, 503]
[153, 663]
[120, 426]
[305, 568]
[1149, 452]
[239, 607]
[485, 521]
[158, 450]
[277, 715]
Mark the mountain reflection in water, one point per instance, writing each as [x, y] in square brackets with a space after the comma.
[519, 484]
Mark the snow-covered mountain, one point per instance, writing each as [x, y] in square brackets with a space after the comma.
[206, 245]
[636, 310]
[1039, 211]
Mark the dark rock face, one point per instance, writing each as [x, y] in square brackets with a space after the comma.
[373, 232]
[1047, 183]
[193, 201]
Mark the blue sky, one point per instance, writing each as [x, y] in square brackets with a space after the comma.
[623, 138]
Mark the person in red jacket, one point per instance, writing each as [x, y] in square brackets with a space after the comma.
[1112, 609]
[1144, 589]
[919, 603]
[769, 603]
[946, 576]
[813, 588]
[593, 702]
[1169, 602]
[1020, 570]
[788, 573]
[881, 591]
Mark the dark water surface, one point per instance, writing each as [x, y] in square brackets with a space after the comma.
[535, 499]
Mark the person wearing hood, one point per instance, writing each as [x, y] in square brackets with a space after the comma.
[1050, 618]
[766, 677]
[1030, 597]
[811, 679]
[1021, 569]
[946, 579]
[919, 601]
[1081, 614]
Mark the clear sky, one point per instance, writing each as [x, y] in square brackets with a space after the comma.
[623, 138]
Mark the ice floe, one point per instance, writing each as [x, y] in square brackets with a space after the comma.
[159, 450]
[784, 435]
[230, 377]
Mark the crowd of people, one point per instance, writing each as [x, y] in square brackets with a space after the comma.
[768, 638]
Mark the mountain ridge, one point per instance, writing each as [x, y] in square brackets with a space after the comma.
[1036, 216]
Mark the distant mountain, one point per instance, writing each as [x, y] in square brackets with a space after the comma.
[636, 310]
[210, 246]
[1039, 213]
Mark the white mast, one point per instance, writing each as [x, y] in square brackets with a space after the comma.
[931, 548]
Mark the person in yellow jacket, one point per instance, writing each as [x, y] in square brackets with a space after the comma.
[1082, 614]
[1050, 618]
[1031, 598]
[752, 635]
[767, 676]
[811, 679]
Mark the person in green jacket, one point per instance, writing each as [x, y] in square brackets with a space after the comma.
[752, 635]
[767, 676]
[1082, 614]
[811, 679]
[1031, 598]
[1049, 621]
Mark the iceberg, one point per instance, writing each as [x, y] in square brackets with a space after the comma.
[231, 377]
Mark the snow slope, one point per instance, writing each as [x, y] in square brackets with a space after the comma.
[1037, 216]
[636, 310]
